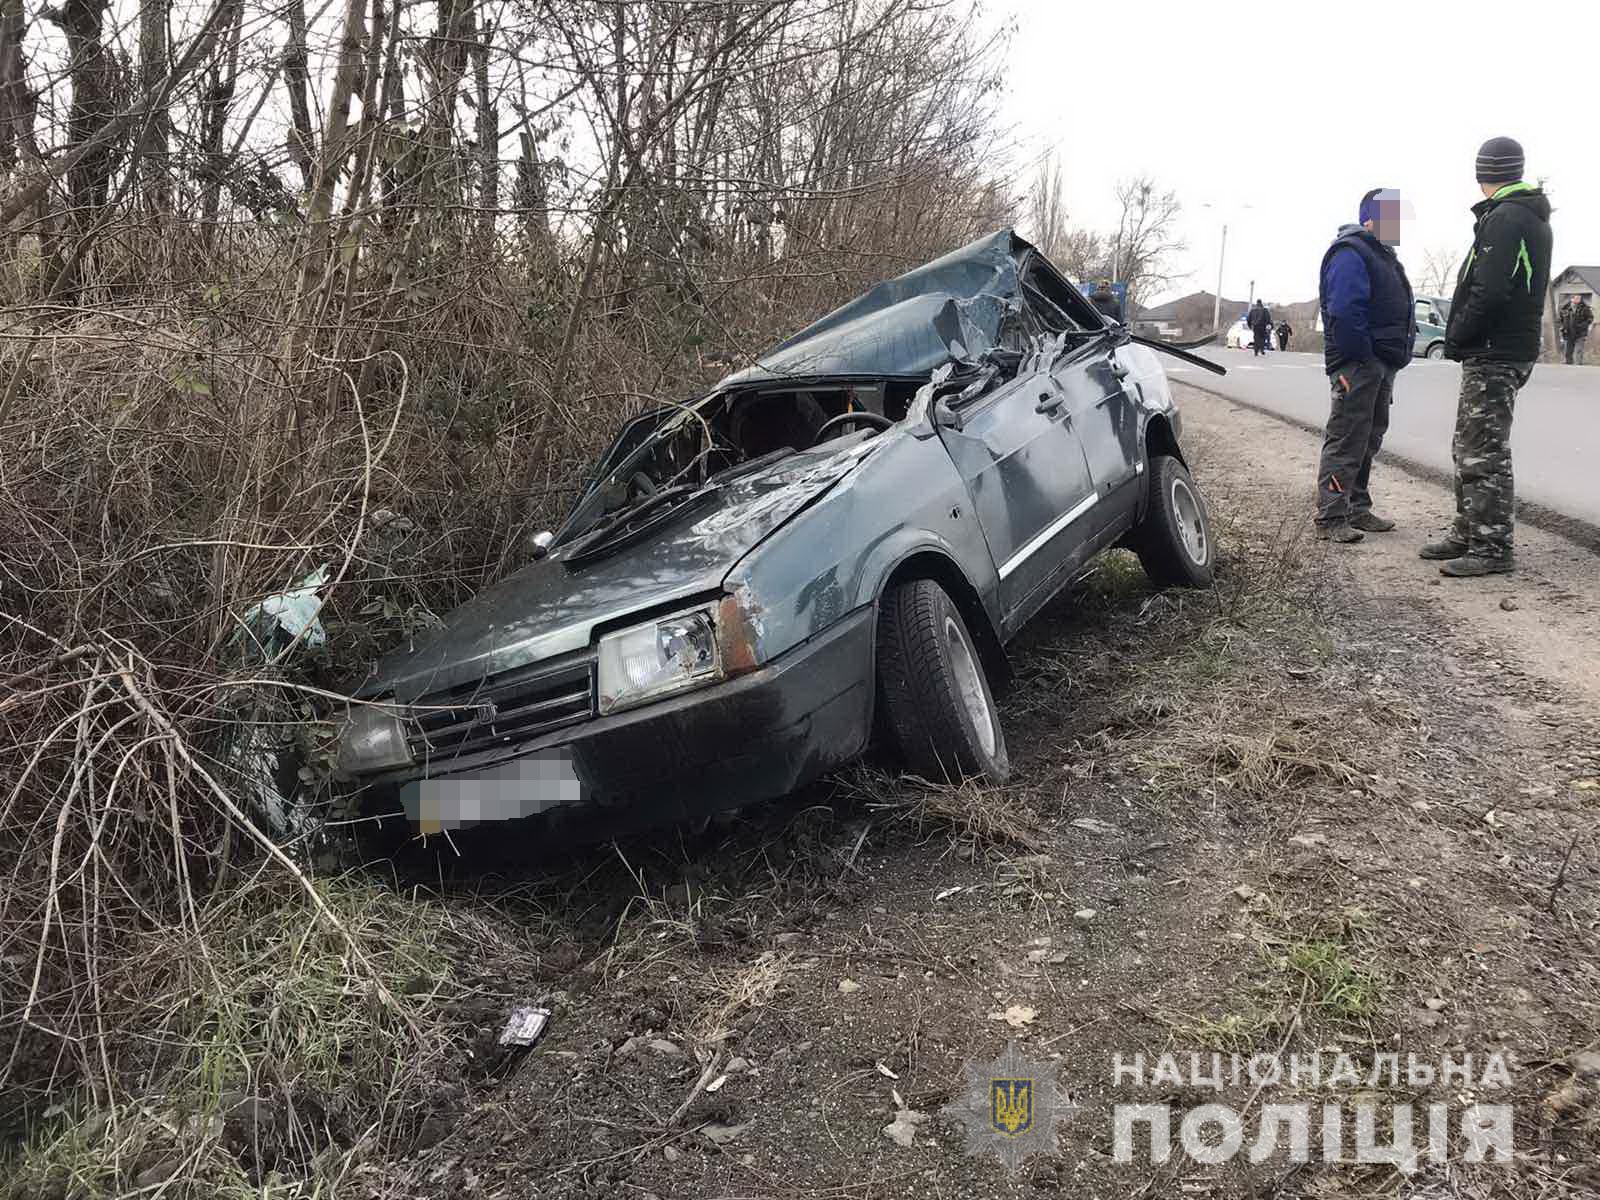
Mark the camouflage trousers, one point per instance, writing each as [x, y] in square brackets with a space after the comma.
[1482, 452]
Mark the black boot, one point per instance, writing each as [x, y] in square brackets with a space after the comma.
[1445, 547]
[1470, 566]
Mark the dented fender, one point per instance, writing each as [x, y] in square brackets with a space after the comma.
[840, 551]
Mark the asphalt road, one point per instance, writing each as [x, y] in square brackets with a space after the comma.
[1555, 440]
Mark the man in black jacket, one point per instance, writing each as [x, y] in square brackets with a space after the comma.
[1104, 299]
[1260, 321]
[1494, 332]
[1577, 320]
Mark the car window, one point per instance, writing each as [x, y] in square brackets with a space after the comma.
[1056, 303]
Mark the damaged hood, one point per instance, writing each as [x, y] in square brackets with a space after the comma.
[550, 608]
[948, 310]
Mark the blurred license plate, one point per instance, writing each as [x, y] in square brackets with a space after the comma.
[519, 788]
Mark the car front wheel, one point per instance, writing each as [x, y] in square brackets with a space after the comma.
[1174, 541]
[1436, 350]
[936, 699]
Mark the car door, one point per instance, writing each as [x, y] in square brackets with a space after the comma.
[1429, 327]
[1028, 481]
[1103, 414]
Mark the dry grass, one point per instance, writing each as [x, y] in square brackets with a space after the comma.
[972, 813]
[262, 1047]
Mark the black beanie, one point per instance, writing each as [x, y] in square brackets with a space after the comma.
[1500, 161]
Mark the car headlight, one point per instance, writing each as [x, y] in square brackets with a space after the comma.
[373, 740]
[647, 662]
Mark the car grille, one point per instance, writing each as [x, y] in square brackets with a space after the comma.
[501, 711]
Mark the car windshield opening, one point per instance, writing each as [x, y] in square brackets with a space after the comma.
[720, 437]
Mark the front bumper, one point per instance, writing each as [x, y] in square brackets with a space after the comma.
[753, 738]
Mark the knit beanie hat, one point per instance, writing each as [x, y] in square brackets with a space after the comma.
[1500, 161]
[1369, 207]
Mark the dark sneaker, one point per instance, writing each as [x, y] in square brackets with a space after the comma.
[1470, 566]
[1341, 533]
[1371, 522]
[1443, 548]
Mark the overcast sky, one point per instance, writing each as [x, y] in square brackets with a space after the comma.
[1297, 109]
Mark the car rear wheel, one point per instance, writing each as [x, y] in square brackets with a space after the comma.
[937, 705]
[1174, 542]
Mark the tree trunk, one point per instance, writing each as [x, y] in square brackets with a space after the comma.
[155, 145]
[297, 80]
[18, 108]
[215, 106]
[488, 138]
[316, 246]
[17, 104]
[92, 73]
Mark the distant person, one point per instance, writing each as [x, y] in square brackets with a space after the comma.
[1260, 322]
[1575, 329]
[1284, 334]
[1367, 310]
[1494, 332]
[1104, 299]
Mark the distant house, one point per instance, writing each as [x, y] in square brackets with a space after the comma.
[1575, 281]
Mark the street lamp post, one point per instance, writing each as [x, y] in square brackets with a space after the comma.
[1222, 257]
[1216, 300]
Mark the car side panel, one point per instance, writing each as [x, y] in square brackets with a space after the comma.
[1024, 468]
[908, 497]
[1103, 405]
[835, 556]
[1145, 392]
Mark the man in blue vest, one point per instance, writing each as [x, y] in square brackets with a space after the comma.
[1368, 325]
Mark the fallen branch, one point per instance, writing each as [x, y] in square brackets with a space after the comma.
[1561, 875]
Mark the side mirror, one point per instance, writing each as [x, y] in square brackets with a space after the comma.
[541, 543]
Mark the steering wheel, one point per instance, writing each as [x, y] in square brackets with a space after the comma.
[827, 428]
[641, 485]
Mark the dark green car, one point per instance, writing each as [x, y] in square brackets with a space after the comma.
[1433, 314]
[841, 538]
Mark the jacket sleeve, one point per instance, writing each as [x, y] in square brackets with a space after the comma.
[1349, 292]
[1489, 285]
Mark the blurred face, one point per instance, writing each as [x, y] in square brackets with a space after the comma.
[1390, 214]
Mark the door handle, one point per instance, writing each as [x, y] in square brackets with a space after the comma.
[1048, 402]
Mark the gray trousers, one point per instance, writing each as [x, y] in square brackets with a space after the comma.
[1362, 393]
[1575, 346]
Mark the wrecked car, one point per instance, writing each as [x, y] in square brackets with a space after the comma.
[833, 544]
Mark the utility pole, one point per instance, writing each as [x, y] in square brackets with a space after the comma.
[1216, 301]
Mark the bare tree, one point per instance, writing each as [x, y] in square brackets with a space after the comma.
[1047, 209]
[1438, 271]
[1146, 239]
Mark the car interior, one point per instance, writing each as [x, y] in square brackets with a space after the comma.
[729, 431]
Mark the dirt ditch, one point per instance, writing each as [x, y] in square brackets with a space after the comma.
[1328, 807]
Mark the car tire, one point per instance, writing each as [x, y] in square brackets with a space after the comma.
[1174, 541]
[937, 706]
[1436, 350]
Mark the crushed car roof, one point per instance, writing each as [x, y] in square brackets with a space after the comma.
[947, 310]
